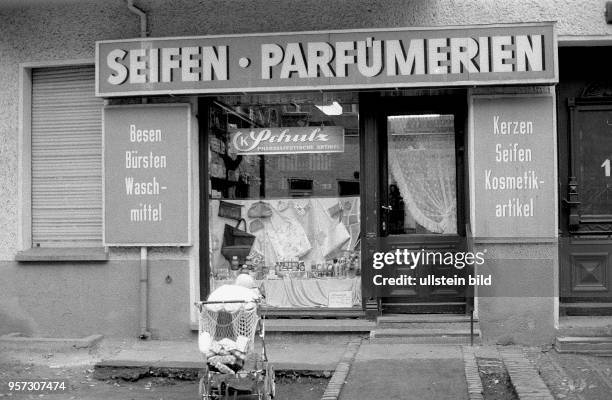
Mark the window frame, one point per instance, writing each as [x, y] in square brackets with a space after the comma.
[26, 251]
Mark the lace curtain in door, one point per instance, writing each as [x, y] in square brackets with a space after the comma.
[423, 167]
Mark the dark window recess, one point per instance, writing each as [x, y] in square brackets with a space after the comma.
[300, 187]
[348, 188]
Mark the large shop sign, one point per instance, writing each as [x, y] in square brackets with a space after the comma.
[393, 58]
[514, 183]
[147, 179]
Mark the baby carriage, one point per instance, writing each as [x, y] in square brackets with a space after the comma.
[234, 369]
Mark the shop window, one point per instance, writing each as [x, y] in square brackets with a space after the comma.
[66, 158]
[288, 168]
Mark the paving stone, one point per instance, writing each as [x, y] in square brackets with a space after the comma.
[334, 386]
[475, 389]
[526, 380]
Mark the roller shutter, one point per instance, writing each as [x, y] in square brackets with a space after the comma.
[66, 158]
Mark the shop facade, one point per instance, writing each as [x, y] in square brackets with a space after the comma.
[170, 161]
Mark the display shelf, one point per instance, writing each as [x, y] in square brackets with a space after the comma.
[312, 312]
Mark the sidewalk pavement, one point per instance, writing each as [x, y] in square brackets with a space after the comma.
[361, 369]
[406, 372]
[185, 354]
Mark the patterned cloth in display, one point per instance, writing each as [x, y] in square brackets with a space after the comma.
[284, 293]
[308, 292]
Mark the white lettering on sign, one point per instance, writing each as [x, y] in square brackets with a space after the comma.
[528, 181]
[512, 127]
[435, 56]
[463, 52]
[144, 135]
[120, 72]
[287, 140]
[321, 59]
[133, 160]
[146, 212]
[293, 62]
[405, 62]
[247, 142]
[187, 64]
[514, 208]
[141, 188]
[512, 153]
[320, 55]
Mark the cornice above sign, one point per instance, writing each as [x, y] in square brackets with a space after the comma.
[355, 59]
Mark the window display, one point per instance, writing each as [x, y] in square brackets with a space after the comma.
[284, 196]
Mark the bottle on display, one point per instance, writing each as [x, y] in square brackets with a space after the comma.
[235, 264]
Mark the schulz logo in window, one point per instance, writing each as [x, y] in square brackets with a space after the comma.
[287, 140]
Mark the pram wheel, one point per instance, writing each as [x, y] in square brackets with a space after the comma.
[206, 390]
[204, 385]
[270, 383]
[202, 389]
[264, 390]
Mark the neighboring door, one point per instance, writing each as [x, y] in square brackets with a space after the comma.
[421, 185]
[586, 209]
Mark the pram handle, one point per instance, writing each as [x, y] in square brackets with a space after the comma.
[228, 302]
[200, 304]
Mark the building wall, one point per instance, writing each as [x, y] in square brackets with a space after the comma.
[67, 299]
[55, 299]
[519, 307]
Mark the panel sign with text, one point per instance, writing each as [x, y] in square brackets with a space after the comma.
[376, 58]
[287, 140]
[340, 299]
[513, 167]
[147, 175]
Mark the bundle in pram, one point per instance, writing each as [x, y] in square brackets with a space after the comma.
[226, 355]
[227, 332]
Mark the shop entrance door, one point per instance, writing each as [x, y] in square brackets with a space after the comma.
[585, 248]
[421, 202]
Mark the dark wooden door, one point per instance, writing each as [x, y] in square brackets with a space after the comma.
[421, 192]
[586, 204]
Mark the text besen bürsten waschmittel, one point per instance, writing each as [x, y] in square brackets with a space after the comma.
[414, 258]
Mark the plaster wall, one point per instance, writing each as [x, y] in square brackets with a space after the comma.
[75, 300]
[519, 306]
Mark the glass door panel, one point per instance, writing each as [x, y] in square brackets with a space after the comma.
[421, 179]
